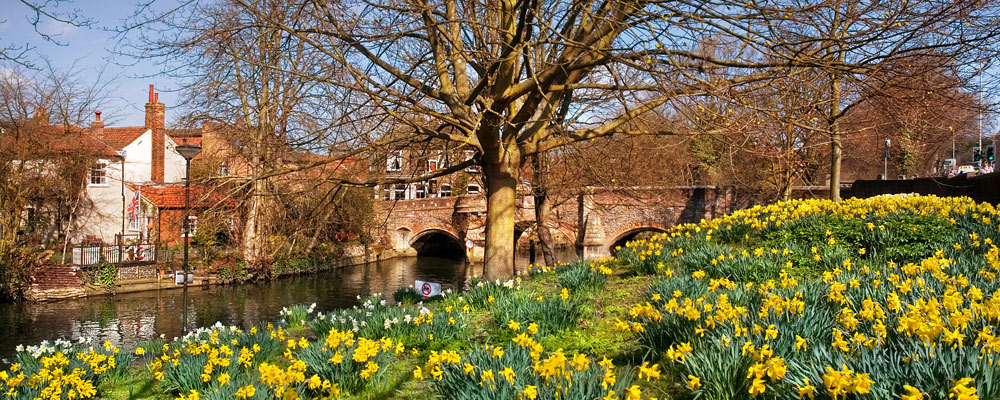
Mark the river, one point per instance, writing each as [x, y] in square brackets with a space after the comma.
[129, 318]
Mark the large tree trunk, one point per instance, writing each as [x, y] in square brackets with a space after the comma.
[543, 205]
[786, 192]
[255, 230]
[835, 138]
[501, 194]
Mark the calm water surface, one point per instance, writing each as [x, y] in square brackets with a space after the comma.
[129, 318]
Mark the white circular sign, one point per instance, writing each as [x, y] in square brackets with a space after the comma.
[469, 244]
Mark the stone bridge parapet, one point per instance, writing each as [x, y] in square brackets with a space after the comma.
[600, 218]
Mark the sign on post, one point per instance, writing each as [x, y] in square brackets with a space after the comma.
[427, 289]
[469, 244]
[179, 277]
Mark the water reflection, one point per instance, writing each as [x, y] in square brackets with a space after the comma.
[129, 318]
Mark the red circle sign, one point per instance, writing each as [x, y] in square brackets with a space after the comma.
[425, 289]
[469, 244]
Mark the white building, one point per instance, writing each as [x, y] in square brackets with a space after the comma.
[146, 155]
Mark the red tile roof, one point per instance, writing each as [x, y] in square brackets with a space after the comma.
[172, 196]
[184, 133]
[51, 140]
[119, 137]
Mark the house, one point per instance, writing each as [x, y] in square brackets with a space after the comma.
[408, 162]
[145, 161]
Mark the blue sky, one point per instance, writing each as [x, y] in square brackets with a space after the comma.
[91, 49]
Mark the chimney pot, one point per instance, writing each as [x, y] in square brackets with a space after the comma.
[156, 97]
[151, 93]
[97, 114]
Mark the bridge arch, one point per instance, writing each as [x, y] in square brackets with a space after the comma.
[632, 233]
[438, 242]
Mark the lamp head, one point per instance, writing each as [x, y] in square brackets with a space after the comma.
[188, 151]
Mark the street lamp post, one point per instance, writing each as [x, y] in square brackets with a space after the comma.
[885, 162]
[188, 152]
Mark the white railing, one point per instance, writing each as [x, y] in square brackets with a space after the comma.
[144, 253]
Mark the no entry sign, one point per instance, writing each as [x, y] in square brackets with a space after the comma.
[469, 244]
[427, 289]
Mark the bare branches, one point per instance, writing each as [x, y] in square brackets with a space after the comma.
[39, 13]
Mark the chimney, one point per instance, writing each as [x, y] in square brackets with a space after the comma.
[97, 126]
[209, 141]
[154, 123]
[41, 115]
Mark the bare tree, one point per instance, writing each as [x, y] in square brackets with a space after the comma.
[258, 87]
[44, 158]
[858, 47]
[37, 13]
[511, 79]
[495, 75]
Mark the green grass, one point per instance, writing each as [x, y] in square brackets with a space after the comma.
[137, 384]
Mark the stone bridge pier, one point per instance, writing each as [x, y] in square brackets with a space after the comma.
[595, 221]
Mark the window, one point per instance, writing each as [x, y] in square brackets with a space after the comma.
[386, 193]
[394, 162]
[445, 190]
[99, 174]
[192, 225]
[223, 170]
[432, 165]
[400, 192]
[472, 189]
[421, 191]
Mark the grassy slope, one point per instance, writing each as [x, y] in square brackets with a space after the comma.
[595, 333]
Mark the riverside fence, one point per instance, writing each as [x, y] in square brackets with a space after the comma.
[132, 254]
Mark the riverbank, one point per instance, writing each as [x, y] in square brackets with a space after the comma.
[61, 282]
[127, 318]
[883, 297]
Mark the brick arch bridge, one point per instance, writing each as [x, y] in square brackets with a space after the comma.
[595, 221]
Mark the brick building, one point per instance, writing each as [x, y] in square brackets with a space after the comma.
[144, 159]
[412, 161]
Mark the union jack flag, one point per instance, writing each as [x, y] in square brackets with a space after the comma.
[133, 207]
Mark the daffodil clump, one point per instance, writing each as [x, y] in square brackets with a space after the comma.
[349, 352]
[61, 370]
[523, 369]
[295, 316]
[414, 325]
[889, 297]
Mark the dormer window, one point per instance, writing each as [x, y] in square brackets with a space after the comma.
[99, 174]
[432, 165]
[395, 162]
